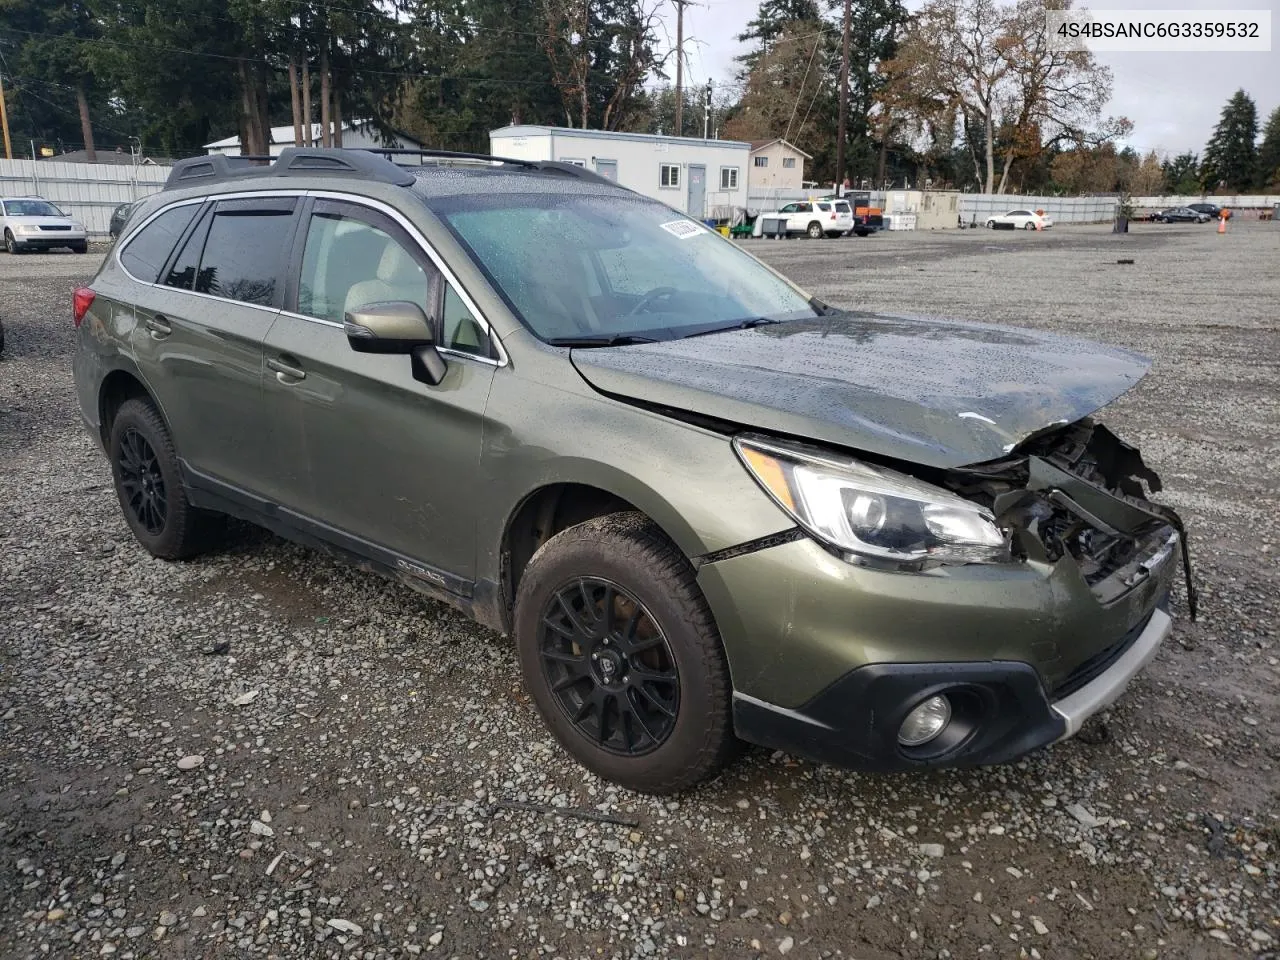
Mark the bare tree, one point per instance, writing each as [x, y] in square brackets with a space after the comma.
[565, 43]
[990, 66]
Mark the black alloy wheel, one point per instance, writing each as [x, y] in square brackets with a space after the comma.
[609, 666]
[142, 482]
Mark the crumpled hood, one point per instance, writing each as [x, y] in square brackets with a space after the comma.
[935, 392]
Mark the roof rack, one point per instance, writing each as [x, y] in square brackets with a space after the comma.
[448, 155]
[292, 162]
[366, 163]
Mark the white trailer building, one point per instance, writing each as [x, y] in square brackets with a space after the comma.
[703, 178]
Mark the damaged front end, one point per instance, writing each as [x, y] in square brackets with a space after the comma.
[1081, 492]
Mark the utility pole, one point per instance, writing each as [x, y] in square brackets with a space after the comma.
[844, 96]
[706, 114]
[4, 122]
[680, 5]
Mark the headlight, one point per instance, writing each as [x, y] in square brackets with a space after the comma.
[870, 514]
[28, 228]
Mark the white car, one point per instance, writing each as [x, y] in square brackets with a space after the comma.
[813, 218]
[1020, 220]
[31, 223]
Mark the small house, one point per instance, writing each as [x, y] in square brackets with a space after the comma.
[703, 178]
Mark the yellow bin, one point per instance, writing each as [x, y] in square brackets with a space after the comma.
[723, 231]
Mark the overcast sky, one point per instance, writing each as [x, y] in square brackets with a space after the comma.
[1173, 99]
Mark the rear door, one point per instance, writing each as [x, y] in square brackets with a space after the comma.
[364, 454]
[201, 325]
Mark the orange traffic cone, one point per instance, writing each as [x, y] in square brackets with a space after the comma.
[1222, 224]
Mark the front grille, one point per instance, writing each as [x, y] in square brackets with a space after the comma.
[46, 227]
[1098, 664]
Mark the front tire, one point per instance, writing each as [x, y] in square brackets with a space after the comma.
[815, 231]
[622, 657]
[1029, 226]
[10, 244]
[149, 485]
[82, 247]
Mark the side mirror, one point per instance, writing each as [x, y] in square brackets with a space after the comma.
[396, 326]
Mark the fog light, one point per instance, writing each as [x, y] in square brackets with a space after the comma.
[925, 722]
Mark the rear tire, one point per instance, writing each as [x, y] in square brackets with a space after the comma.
[622, 657]
[815, 231]
[149, 486]
[991, 224]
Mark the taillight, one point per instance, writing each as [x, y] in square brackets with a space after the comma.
[833, 216]
[81, 301]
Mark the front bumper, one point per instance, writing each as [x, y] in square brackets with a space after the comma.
[827, 658]
[1000, 710]
[49, 241]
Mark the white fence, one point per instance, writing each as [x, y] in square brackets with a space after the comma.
[1241, 202]
[973, 206]
[86, 191]
[976, 207]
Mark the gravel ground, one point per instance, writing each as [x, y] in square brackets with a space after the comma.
[264, 753]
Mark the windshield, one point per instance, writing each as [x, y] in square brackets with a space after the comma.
[614, 267]
[31, 208]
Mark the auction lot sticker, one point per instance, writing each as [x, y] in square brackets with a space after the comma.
[1159, 31]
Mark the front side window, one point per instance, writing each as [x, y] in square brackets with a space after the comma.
[586, 265]
[669, 175]
[788, 163]
[351, 259]
[459, 329]
[243, 252]
[728, 178]
[150, 247]
[31, 208]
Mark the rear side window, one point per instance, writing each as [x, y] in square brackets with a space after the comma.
[244, 249]
[182, 272]
[842, 207]
[146, 253]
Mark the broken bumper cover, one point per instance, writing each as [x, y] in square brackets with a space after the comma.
[1000, 710]
[1103, 691]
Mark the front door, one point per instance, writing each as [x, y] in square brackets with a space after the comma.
[199, 340]
[365, 454]
[608, 169]
[697, 191]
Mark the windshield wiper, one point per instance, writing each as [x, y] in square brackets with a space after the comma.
[746, 324]
[614, 340]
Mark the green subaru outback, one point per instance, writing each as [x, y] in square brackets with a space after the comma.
[709, 507]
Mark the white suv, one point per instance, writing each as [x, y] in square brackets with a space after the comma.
[32, 223]
[814, 218]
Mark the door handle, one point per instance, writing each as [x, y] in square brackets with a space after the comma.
[158, 326]
[285, 372]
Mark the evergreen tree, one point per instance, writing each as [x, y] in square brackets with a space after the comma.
[1182, 174]
[771, 19]
[1269, 153]
[55, 84]
[874, 29]
[1231, 157]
